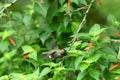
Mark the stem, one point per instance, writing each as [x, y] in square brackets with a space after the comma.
[78, 9]
[114, 40]
[83, 22]
[8, 5]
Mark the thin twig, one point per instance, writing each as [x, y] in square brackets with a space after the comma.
[118, 42]
[114, 40]
[83, 22]
[7, 6]
[78, 9]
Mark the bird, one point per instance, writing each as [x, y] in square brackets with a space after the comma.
[53, 54]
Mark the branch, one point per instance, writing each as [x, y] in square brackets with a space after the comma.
[114, 40]
[84, 18]
[7, 6]
[83, 21]
[78, 9]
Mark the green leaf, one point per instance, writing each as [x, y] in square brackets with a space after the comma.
[116, 71]
[2, 60]
[66, 21]
[3, 45]
[78, 61]
[83, 2]
[63, 8]
[77, 44]
[106, 39]
[74, 53]
[6, 33]
[94, 30]
[33, 76]
[1, 5]
[74, 27]
[50, 43]
[84, 35]
[17, 16]
[8, 55]
[32, 35]
[29, 9]
[12, 53]
[51, 64]
[109, 53]
[84, 45]
[27, 49]
[6, 77]
[53, 26]
[111, 19]
[81, 75]
[95, 38]
[59, 69]
[36, 47]
[41, 8]
[33, 55]
[94, 73]
[19, 41]
[44, 72]
[84, 66]
[27, 19]
[75, 1]
[30, 51]
[51, 12]
[44, 36]
[61, 1]
[60, 29]
[95, 57]
[17, 76]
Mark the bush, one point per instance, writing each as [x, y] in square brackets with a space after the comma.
[30, 31]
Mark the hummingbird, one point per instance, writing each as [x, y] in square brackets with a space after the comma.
[53, 54]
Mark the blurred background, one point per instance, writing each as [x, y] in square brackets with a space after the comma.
[111, 7]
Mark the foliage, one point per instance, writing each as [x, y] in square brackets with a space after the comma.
[27, 30]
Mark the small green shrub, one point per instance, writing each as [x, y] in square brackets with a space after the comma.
[30, 29]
